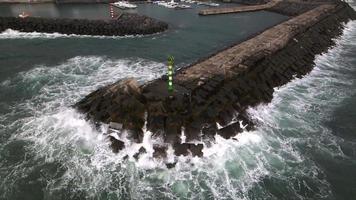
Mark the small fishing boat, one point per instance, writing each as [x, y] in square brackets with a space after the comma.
[188, 1]
[170, 4]
[208, 4]
[124, 5]
[183, 6]
[158, 2]
[23, 15]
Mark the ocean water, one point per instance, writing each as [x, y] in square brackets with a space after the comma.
[304, 146]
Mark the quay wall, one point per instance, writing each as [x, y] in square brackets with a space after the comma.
[237, 9]
[127, 24]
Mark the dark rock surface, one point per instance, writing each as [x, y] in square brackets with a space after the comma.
[127, 24]
[120, 102]
[116, 144]
[217, 91]
[141, 151]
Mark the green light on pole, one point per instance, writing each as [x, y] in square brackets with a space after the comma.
[170, 73]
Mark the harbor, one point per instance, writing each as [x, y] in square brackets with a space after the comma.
[251, 100]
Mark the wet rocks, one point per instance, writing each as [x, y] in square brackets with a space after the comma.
[127, 24]
[186, 149]
[116, 145]
[141, 151]
[120, 102]
[160, 151]
[212, 99]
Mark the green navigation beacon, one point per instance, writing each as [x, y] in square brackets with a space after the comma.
[170, 73]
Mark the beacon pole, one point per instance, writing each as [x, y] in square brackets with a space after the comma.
[170, 74]
[112, 12]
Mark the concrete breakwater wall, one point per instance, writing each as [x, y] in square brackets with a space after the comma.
[285, 7]
[127, 24]
[238, 9]
[220, 88]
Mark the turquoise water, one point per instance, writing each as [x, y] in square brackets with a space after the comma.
[304, 147]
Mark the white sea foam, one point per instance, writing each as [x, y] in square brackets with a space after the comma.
[229, 169]
[14, 34]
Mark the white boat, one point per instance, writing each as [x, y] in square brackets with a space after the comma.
[189, 1]
[214, 4]
[161, 3]
[170, 4]
[208, 4]
[23, 15]
[124, 5]
[183, 6]
[158, 2]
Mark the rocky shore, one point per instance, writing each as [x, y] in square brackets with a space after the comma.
[126, 24]
[211, 97]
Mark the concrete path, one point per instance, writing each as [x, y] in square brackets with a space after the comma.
[238, 9]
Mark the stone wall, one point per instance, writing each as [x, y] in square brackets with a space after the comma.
[127, 24]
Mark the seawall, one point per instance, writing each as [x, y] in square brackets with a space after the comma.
[211, 97]
[238, 9]
[126, 24]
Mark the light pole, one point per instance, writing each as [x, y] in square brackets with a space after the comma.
[170, 73]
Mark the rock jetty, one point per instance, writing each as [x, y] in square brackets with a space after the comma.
[126, 24]
[211, 97]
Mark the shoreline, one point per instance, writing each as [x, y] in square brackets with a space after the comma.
[220, 88]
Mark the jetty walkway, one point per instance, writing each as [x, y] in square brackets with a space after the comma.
[238, 9]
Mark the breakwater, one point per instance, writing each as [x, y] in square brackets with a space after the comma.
[285, 7]
[238, 9]
[211, 97]
[126, 24]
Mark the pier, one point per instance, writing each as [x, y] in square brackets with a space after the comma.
[238, 9]
[211, 97]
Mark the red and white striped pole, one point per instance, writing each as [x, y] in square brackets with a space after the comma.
[112, 11]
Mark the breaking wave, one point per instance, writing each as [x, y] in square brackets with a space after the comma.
[14, 34]
[69, 158]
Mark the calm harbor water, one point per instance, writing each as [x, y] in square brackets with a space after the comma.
[304, 148]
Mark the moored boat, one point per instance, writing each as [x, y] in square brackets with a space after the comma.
[208, 4]
[183, 6]
[124, 5]
[170, 4]
[24, 15]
